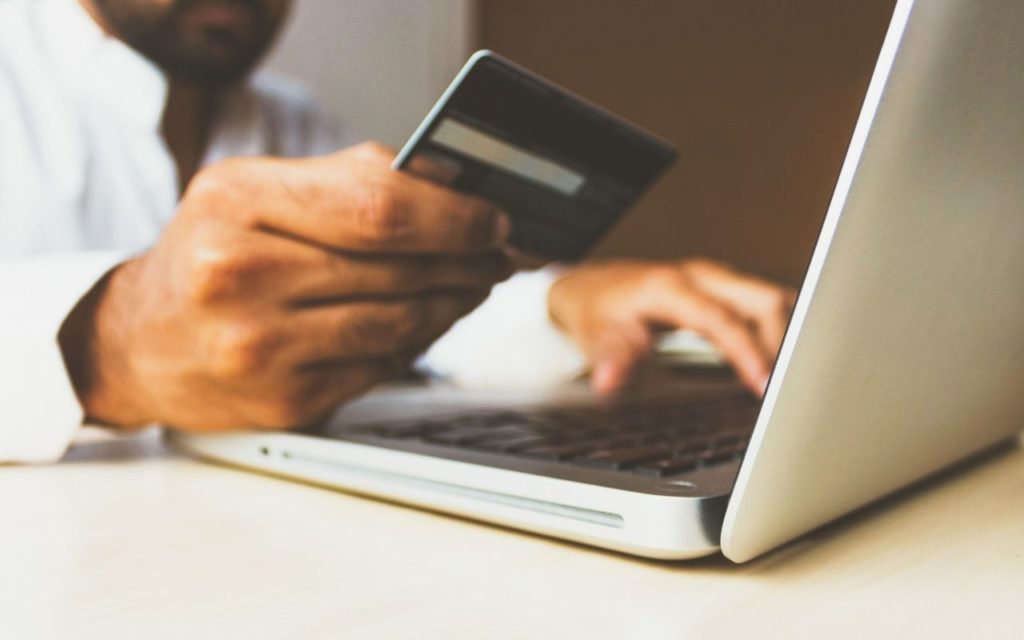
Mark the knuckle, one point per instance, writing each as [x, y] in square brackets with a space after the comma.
[372, 147]
[696, 267]
[481, 222]
[234, 188]
[699, 264]
[242, 350]
[388, 328]
[215, 273]
[206, 183]
[407, 318]
[373, 150]
[215, 182]
[663, 277]
[717, 319]
[381, 219]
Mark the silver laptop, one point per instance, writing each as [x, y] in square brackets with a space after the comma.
[905, 352]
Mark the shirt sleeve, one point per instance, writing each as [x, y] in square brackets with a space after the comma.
[509, 342]
[41, 412]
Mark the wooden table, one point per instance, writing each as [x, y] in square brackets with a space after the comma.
[125, 539]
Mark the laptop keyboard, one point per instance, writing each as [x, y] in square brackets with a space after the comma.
[654, 438]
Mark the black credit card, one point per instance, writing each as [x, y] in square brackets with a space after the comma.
[565, 170]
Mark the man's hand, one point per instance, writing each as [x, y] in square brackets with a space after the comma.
[612, 310]
[281, 289]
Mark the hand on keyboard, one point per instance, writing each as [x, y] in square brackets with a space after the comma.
[613, 310]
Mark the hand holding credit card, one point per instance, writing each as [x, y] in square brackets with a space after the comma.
[563, 169]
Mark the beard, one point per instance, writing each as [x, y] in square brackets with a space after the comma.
[208, 43]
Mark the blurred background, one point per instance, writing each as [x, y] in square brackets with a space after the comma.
[760, 98]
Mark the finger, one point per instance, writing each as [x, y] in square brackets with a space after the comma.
[308, 275]
[683, 307]
[364, 329]
[315, 392]
[433, 168]
[337, 382]
[609, 377]
[353, 276]
[617, 356]
[355, 205]
[766, 304]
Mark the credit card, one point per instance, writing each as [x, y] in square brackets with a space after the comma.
[563, 169]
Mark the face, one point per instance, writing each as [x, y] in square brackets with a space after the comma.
[203, 42]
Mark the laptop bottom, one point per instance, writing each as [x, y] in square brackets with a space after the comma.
[648, 474]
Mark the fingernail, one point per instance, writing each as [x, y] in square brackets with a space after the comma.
[502, 229]
[605, 377]
[764, 385]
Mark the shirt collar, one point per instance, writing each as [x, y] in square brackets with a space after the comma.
[120, 80]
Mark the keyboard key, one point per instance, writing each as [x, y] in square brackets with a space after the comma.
[555, 451]
[712, 458]
[494, 418]
[619, 458]
[405, 429]
[464, 435]
[689, 446]
[731, 450]
[667, 466]
[508, 445]
[593, 435]
[502, 433]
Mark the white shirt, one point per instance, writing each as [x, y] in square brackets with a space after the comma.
[86, 181]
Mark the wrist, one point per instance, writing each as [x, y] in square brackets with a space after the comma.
[96, 360]
[562, 306]
[557, 302]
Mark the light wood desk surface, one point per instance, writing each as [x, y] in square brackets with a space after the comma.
[125, 539]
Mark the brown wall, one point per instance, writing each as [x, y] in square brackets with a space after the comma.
[760, 97]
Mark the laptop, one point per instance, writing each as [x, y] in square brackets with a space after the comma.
[904, 354]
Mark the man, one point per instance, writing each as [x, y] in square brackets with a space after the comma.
[149, 278]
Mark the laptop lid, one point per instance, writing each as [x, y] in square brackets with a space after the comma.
[906, 348]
